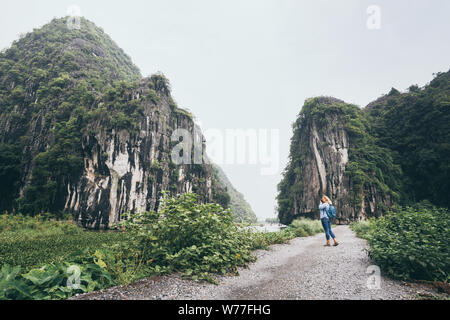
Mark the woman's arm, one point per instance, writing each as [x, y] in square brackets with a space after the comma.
[324, 206]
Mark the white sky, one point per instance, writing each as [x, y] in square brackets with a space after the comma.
[251, 64]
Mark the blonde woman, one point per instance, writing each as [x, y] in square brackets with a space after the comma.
[325, 203]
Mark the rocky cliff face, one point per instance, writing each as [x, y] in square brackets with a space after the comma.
[322, 162]
[82, 132]
[127, 173]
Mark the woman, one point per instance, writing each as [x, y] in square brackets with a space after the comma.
[325, 203]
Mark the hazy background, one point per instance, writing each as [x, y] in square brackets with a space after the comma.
[251, 64]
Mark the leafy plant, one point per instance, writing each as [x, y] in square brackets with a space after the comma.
[415, 126]
[198, 240]
[185, 236]
[53, 281]
[410, 242]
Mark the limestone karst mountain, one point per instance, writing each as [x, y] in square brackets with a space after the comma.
[322, 162]
[82, 132]
[395, 150]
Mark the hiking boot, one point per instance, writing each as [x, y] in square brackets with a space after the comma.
[335, 243]
[328, 244]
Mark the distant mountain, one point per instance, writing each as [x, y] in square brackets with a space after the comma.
[396, 150]
[237, 203]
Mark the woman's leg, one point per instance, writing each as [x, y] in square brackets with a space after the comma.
[332, 234]
[325, 227]
[330, 231]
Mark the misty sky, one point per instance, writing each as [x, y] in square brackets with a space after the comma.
[250, 64]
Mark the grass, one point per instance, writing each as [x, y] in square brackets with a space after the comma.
[361, 228]
[32, 242]
[305, 227]
[299, 228]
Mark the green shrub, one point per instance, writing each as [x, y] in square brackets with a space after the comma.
[155, 166]
[185, 236]
[411, 243]
[305, 227]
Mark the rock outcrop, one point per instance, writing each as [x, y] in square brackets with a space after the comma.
[320, 158]
[127, 173]
[82, 132]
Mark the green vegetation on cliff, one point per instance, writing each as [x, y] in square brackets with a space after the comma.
[57, 77]
[397, 145]
[415, 126]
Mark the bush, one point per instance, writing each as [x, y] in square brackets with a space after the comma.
[411, 243]
[185, 236]
[305, 227]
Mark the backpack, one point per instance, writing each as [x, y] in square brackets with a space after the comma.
[331, 212]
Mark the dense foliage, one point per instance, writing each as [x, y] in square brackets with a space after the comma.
[61, 79]
[415, 126]
[51, 281]
[196, 239]
[410, 242]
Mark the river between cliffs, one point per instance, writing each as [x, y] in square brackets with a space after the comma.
[303, 269]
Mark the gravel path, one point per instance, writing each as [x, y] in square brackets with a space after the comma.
[303, 269]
